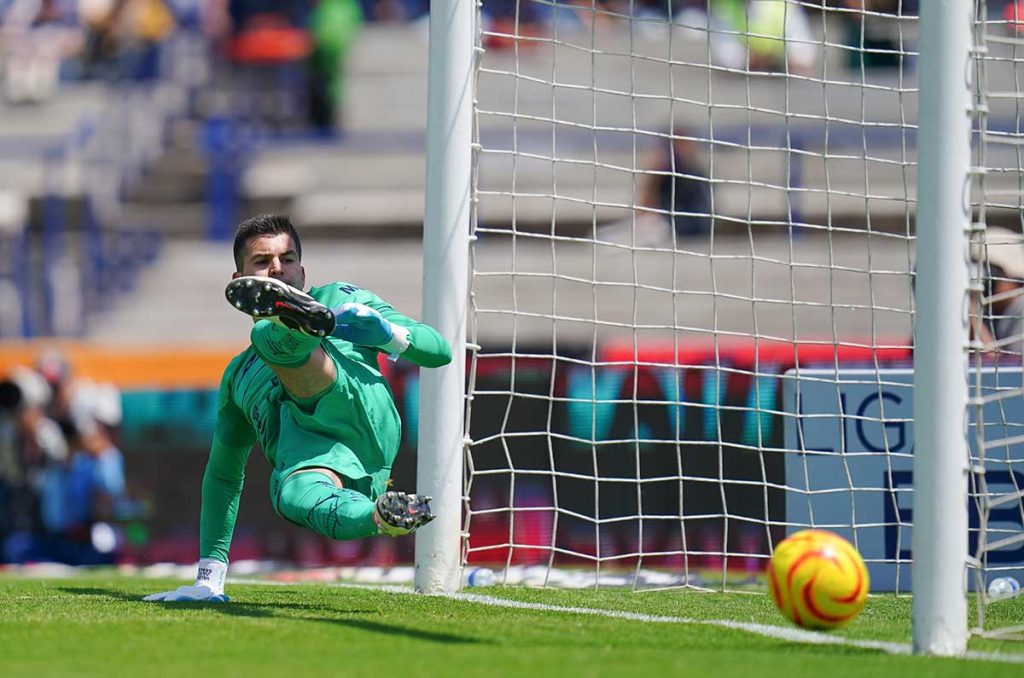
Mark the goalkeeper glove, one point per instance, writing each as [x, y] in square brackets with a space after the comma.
[362, 325]
[209, 586]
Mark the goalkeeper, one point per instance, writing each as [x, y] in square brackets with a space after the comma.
[309, 391]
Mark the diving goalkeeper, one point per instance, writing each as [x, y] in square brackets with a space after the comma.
[309, 390]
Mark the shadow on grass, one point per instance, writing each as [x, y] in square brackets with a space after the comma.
[265, 610]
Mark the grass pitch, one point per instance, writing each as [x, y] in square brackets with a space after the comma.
[98, 626]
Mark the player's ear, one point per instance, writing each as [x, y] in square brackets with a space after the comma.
[236, 274]
[302, 272]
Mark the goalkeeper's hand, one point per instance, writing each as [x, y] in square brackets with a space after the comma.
[209, 586]
[362, 325]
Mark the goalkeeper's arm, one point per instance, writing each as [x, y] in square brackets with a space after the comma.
[222, 487]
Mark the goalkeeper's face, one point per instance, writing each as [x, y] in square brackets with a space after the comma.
[273, 256]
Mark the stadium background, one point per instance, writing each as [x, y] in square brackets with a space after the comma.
[119, 194]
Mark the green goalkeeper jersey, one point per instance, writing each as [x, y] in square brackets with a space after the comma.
[353, 428]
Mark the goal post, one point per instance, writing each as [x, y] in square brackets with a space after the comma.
[446, 229]
[941, 461]
[680, 229]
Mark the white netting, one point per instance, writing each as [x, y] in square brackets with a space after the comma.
[997, 478]
[692, 292]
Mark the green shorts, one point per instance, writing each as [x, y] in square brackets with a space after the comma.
[353, 429]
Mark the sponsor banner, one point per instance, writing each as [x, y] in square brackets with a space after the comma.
[849, 466]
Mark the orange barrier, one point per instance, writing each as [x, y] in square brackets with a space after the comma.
[129, 367]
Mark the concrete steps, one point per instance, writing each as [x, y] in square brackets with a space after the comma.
[528, 290]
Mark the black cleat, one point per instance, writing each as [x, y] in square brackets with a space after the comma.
[398, 513]
[274, 300]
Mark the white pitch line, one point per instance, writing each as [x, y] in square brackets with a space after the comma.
[785, 633]
[777, 632]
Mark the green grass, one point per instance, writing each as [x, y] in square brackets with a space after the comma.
[98, 626]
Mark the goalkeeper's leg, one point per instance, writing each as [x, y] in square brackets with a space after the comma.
[287, 335]
[316, 498]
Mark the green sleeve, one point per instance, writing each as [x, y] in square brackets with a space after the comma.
[222, 487]
[427, 348]
[225, 473]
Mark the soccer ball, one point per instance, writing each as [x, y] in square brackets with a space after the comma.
[818, 579]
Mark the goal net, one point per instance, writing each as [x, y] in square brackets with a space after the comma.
[692, 290]
[997, 322]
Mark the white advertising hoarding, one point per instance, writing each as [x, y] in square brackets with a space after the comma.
[849, 465]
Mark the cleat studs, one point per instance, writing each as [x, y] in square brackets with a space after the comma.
[248, 283]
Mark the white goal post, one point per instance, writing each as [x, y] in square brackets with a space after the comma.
[445, 272]
[939, 542]
[664, 236]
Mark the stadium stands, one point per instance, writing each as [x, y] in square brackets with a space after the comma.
[59, 164]
[369, 180]
[379, 161]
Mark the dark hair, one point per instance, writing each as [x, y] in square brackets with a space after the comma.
[70, 429]
[11, 396]
[260, 225]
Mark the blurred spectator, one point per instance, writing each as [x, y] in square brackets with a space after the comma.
[334, 23]
[588, 16]
[31, 444]
[759, 35]
[285, 59]
[124, 38]
[37, 38]
[62, 483]
[394, 11]
[676, 185]
[292, 12]
[1012, 13]
[779, 34]
[77, 498]
[1003, 268]
[187, 13]
[90, 406]
[874, 33]
[41, 437]
[15, 498]
[89, 492]
[507, 22]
